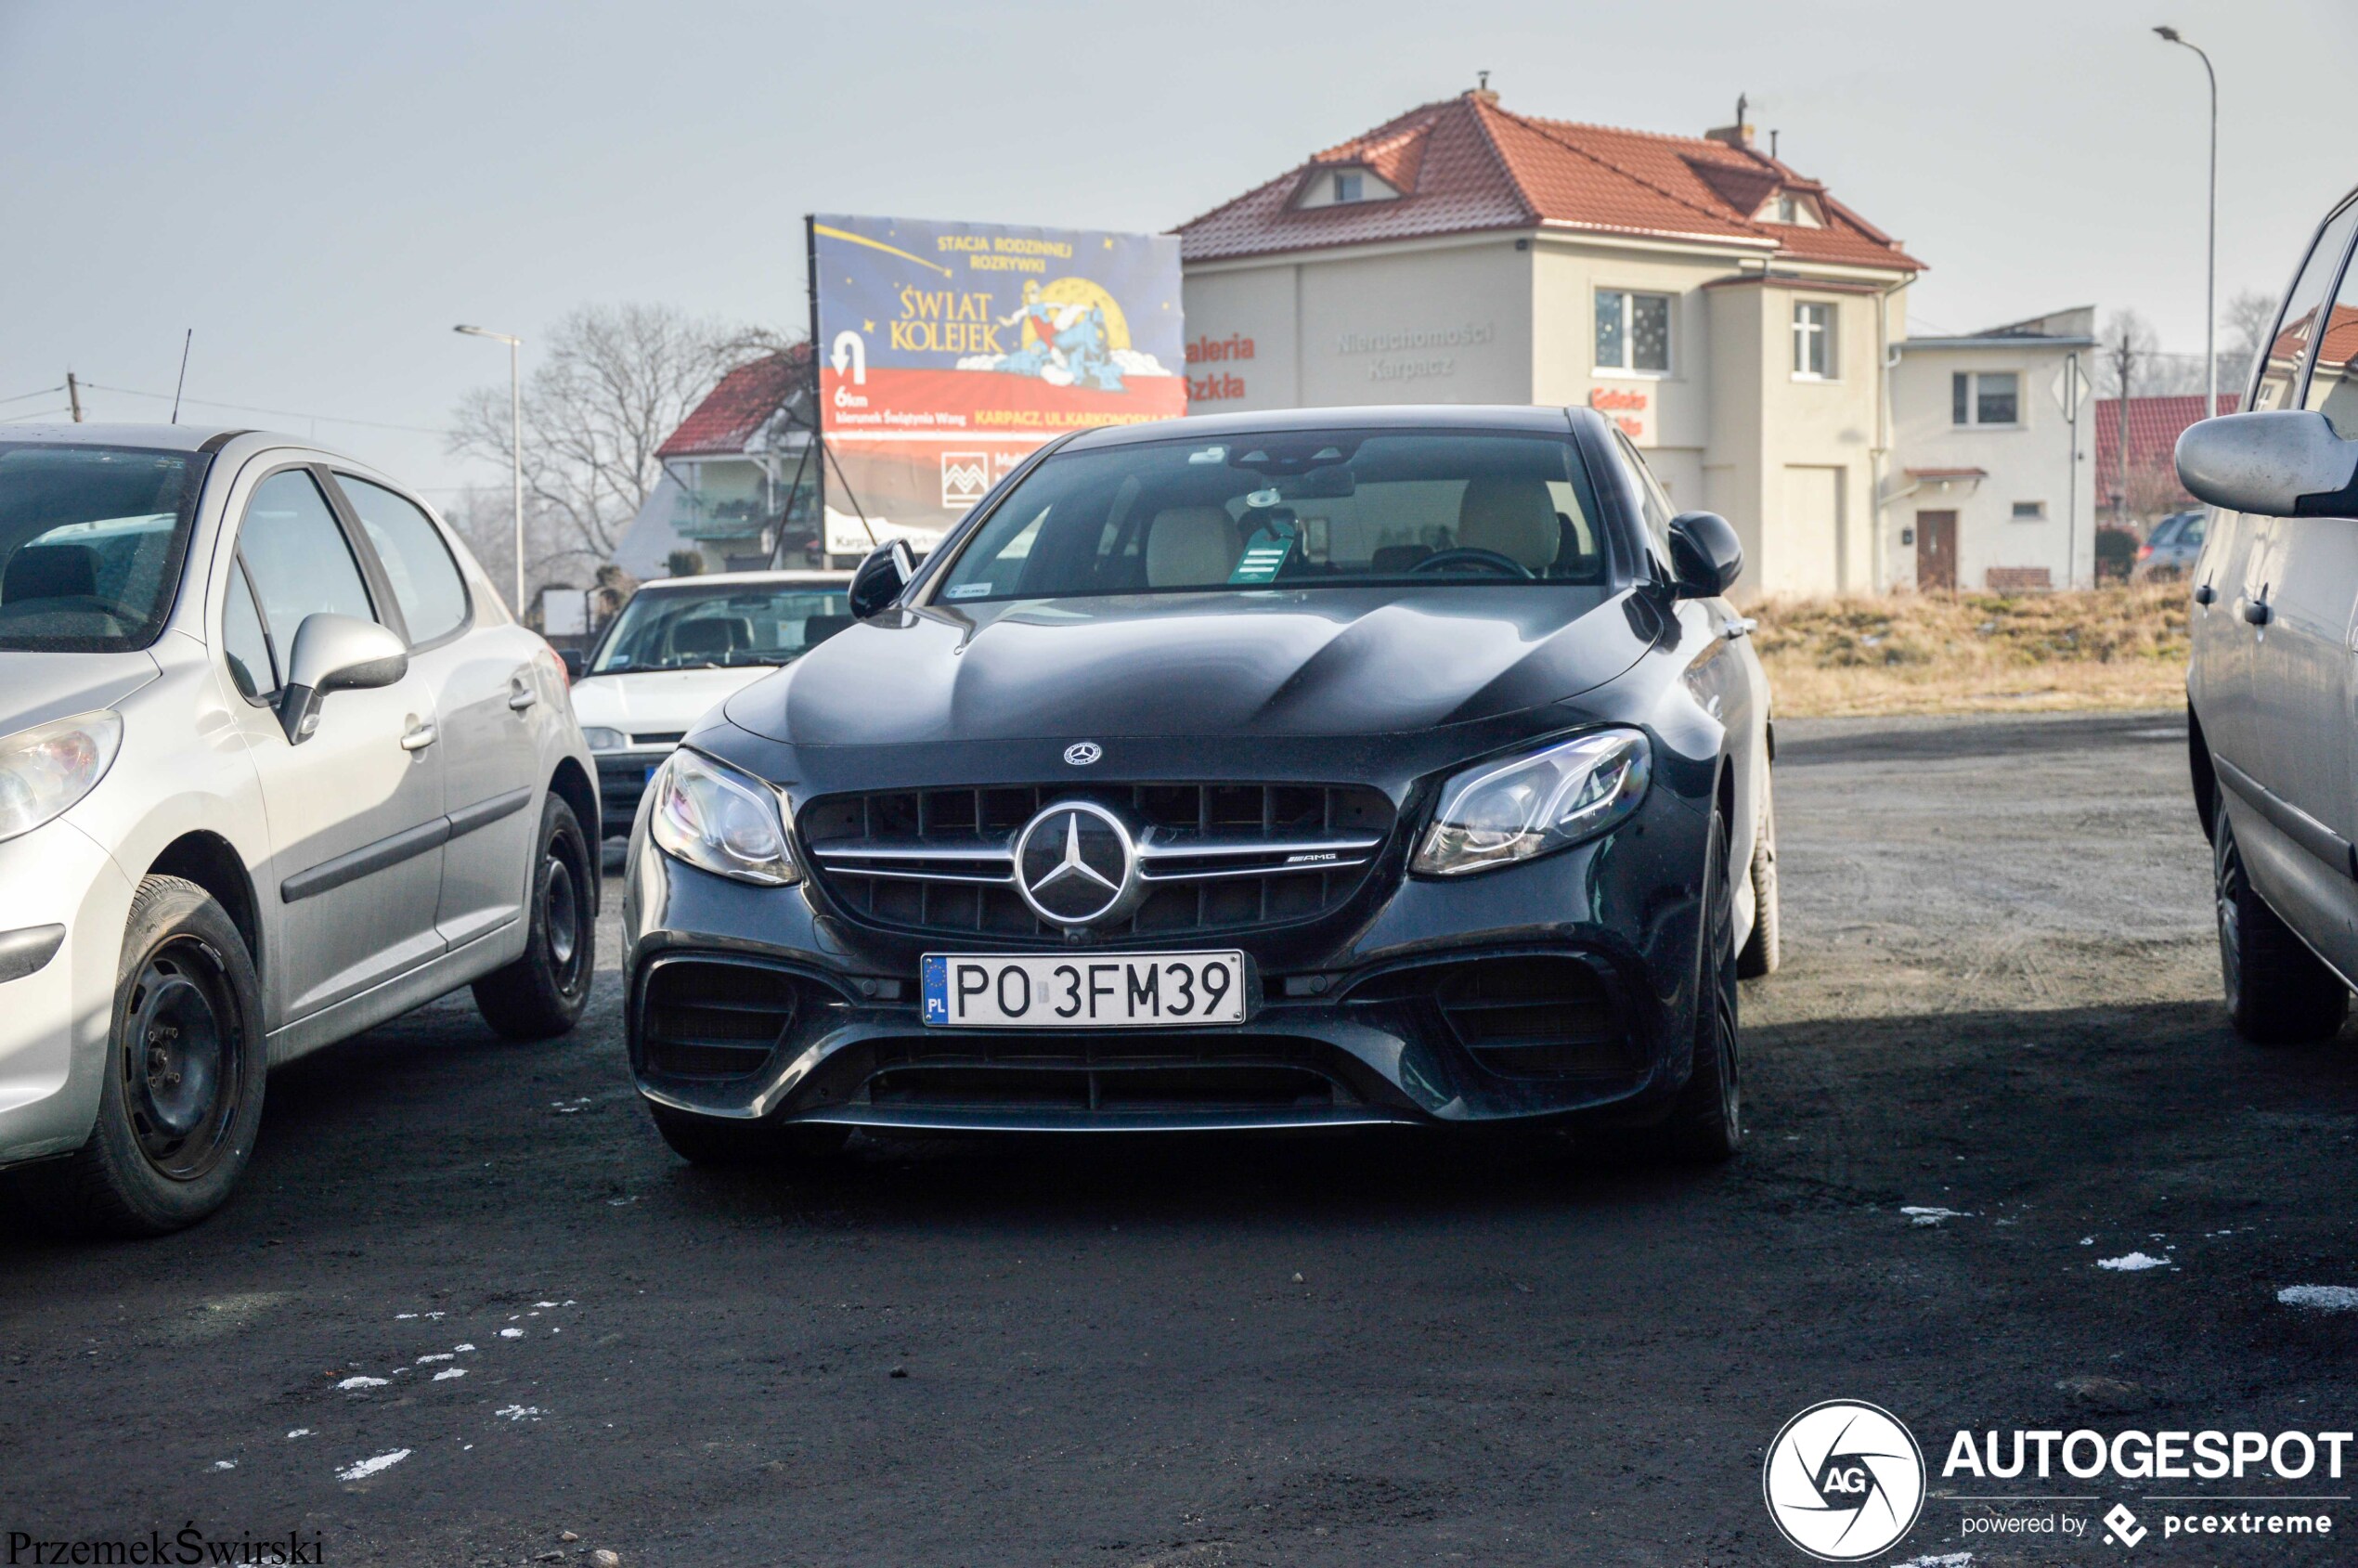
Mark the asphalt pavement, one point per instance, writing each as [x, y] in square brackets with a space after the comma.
[1999, 1006]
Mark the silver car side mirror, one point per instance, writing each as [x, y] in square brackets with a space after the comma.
[335, 654]
[2280, 463]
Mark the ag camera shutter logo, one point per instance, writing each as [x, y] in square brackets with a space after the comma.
[1844, 1480]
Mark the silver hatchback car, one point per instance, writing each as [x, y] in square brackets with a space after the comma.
[274, 766]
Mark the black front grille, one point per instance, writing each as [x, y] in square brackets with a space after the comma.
[718, 1020]
[1216, 857]
[1528, 1016]
[1143, 1074]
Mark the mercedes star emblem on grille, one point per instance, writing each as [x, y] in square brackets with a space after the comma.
[1081, 753]
[1076, 865]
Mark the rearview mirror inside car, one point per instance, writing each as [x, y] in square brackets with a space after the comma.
[878, 581]
[335, 654]
[1705, 555]
[2279, 462]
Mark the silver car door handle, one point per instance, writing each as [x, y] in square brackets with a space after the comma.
[1736, 629]
[419, 737]
[521, 696]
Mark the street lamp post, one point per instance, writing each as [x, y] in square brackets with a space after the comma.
[2211, 263]
[515, 438]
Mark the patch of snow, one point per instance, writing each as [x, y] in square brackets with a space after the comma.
[2129, 1262]
[438, 1355]
[462, 1349]
[1926, 1215]
[544, 1303]
[225, 1464]
[512, 1334]
[2087, 1241]
[521, 1412]
[361, 1382]
[449, 1372]
[364, 1468]
[299, 1432]
[2320, 1298]
[1946, 1560]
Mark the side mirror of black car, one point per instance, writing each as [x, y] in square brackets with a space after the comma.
[879, 579]
[1706, 555]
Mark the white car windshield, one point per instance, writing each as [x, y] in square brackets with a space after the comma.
[725, 624]
[91, 539]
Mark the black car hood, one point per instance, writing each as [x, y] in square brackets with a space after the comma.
[1345, 661]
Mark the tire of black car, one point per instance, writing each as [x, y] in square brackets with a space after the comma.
[2278, 993]
[712, 1140]
[542, 994]
[1764, 949]
[1706, 1122]
[186, 1066]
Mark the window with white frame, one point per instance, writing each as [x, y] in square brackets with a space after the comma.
[1351, 187]
[1813, 340]
[2030, 512]
[1984, 397]
[1633, 331]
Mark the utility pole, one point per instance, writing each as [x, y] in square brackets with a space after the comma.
[73, 396]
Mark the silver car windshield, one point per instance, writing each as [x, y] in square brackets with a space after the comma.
[1291, 511]
[91, 540]
[727, 624]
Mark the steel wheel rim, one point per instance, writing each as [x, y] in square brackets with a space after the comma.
[563, 913]
[182, 1059]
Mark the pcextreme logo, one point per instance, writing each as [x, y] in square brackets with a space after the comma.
[1844, 1480]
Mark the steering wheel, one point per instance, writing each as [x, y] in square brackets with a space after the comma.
[1473, 555]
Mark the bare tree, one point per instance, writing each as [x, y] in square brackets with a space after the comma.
[2246, 321]
[612, 381]
[2122, 363]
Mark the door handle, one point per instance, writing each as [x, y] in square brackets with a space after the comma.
[419, 736]
[2204, 594]
[521, 695]
[2255, 611]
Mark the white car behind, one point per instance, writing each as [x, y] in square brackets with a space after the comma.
[681, 647]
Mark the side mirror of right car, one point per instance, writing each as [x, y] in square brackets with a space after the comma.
[1705, 555]
[335, 654]
[878, 581]
[577, 662]
[2279, 462]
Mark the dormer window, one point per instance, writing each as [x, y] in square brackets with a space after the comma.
[1348, 186]
[1792, 209]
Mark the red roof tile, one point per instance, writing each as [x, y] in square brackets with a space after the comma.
[2155, 424]
[740, 405]
[1470, 166]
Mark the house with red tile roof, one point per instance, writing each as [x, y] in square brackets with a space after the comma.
[1725, 309]
[2146, 487]
[739, 477]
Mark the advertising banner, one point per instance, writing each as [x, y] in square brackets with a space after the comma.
[949, 351]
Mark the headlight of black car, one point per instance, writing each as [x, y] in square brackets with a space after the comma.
[722, 821]
[1501, 812]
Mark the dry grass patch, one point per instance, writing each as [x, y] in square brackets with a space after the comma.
[1977, 652]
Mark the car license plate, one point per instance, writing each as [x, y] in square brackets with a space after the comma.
[1108, 990]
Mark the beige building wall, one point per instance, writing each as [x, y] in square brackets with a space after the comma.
[1792, 462]
[2029, 463]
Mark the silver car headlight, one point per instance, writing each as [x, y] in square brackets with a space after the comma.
[722, 821]
[44, 769]
[1501, 812]
[603, 739]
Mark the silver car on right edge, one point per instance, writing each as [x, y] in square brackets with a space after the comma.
[2274, 680]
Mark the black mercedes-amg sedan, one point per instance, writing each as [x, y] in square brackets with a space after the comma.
[1344, 766]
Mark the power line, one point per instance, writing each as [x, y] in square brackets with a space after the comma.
[43, 393]
[276, 413]
[38, 414]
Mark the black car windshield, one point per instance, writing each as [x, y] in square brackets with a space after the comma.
[91, 540]
[725, 623]
[1293, 510]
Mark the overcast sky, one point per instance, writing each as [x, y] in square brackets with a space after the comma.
[321, 190]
